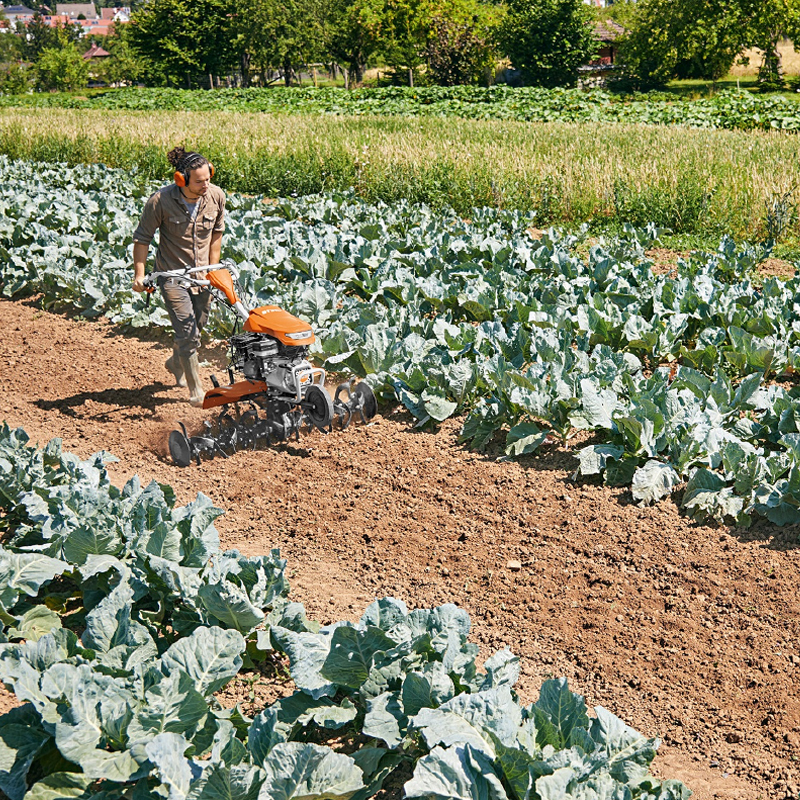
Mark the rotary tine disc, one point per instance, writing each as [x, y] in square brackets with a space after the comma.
[342, 407]
[180, 447]
[360, 400]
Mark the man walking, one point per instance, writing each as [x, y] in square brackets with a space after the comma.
[189, 215]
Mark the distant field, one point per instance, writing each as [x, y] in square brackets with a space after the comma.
[692, 181]
[729, 110]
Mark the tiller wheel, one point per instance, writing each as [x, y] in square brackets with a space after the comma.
[261, 420]
[360, 400]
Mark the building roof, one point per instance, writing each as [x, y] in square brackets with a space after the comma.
[18, 11]
[96, 52]
[608, 30]
[118, 14]
[73, 10]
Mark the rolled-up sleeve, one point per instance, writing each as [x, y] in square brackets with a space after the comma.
[150, 221]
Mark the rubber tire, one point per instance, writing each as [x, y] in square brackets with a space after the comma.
[318, 407]
[179, 449]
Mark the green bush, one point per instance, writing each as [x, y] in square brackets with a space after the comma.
[547, 40]
[15, 78]
[63, 69]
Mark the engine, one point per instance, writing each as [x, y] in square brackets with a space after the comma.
[260, 357]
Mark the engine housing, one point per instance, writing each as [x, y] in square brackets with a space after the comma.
[261, 357]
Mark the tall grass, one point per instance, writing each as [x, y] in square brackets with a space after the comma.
[689, 180]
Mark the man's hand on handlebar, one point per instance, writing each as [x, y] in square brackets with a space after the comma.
[189, 276]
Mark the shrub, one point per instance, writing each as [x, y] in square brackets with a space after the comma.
[63, 69]
[547, 40]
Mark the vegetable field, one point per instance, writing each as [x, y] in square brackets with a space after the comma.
[519, 371]
[167, 620]
[533, 339]
[692, 181]
[729, 110]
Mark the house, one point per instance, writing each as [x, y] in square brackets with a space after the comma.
[21, 13]
[75, 10]
[118, 14]
[607, 33]
[95, 51]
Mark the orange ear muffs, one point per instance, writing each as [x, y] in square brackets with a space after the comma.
[180, 178]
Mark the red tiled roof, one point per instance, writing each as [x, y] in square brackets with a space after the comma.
[95, 52]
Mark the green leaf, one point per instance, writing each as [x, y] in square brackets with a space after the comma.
[653, 482]
[385, 719]
[437, 406]
[558, 712]
[470, 719]
[594, 457]
[172, 705]
[25, 573]
[231, 606]
[307, 653]
[91, 540]
[239, 782]
[296, 771]
[210, 657]
[170, 766]
[60, 786]
[525, 438]
[351, 653]
[22, 738]
[455, 773]
[35, 623]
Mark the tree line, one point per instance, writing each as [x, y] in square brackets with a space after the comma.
[444, 42]
[200, 43]
[203, 43]
[679, 39]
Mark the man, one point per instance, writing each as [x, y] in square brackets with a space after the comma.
[190, 217]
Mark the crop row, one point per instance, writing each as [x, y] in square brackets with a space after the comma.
[127, 709]
[729, 110]
[531, 339]
[690, 181]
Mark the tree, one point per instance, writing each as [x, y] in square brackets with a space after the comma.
[682, 38]
[61, 68]
[11, 46]
[184, 38]
[461, 45]
[404, 35]
[15, 78]
[123, 65]
[36, 36]
[547, 40]
[278, 34]
[353, 33]
[769, 22]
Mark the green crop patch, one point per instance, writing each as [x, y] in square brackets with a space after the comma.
[728, 109]
[530, 339]
[127, 709]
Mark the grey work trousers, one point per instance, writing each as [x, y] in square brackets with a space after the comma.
[188, 313]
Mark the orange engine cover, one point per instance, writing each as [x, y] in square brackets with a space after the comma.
[222, 395]
[280, 324]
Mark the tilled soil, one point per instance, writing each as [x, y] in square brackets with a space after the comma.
[688, 632]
